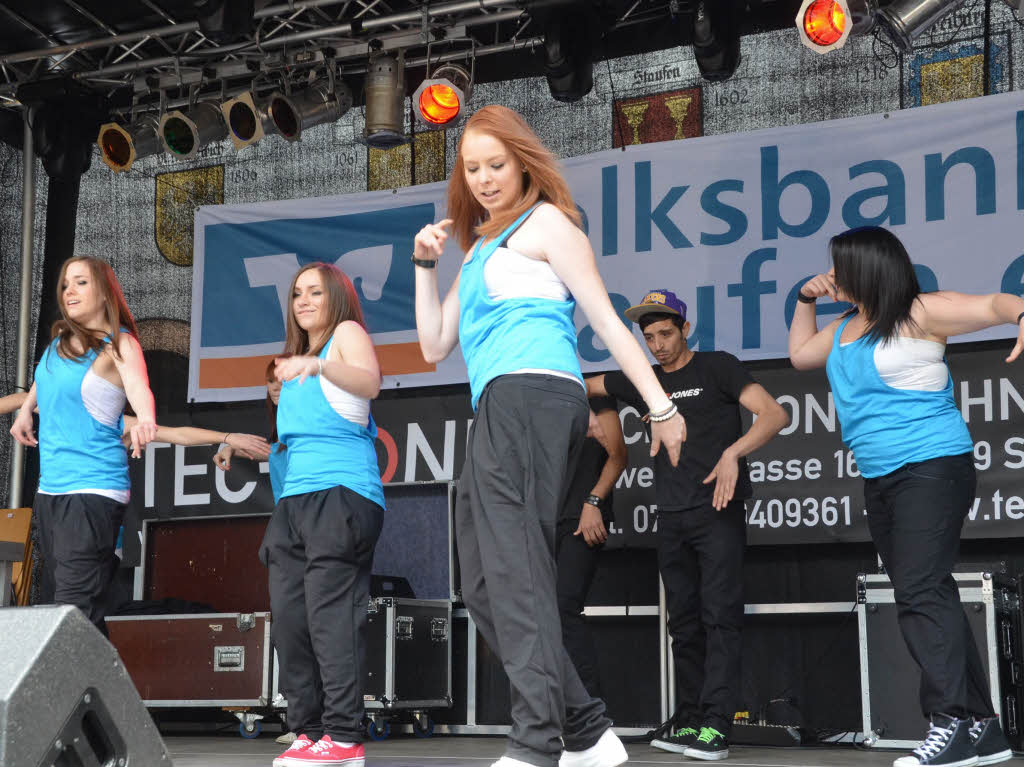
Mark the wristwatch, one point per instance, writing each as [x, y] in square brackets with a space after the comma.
[595, 501]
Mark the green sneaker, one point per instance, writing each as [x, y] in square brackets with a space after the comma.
[678, 741]
[710, 745]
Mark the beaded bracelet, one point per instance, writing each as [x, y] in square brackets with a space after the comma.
[664, 416]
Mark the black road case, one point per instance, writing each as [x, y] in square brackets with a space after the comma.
[890, 679]
[408, 657]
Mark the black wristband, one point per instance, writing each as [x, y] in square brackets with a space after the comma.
[1020, 317]
[594, 500]
[425, 263]
[804, 299]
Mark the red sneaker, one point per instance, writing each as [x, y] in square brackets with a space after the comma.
[298, 745]
[324, 753]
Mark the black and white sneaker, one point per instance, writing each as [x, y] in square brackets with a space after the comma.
[989, 741]
[710, 745]
[948, 743]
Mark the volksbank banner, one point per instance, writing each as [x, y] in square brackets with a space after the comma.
[734, 224]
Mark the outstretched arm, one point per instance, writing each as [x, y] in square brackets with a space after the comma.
[192, 435]
[570, 255]
[12, 402]
[946, 313]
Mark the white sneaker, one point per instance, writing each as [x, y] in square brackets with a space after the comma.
[607, 752]
[287, 739]
[508, 761]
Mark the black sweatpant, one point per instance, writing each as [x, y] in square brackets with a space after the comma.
[522, 449]
[576, 563]
[700, 556]
[77, 535]
[319, 548]
[916, 515]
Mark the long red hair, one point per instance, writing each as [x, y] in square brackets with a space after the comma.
[542, 181]
[115, 311]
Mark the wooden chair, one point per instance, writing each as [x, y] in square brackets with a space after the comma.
[16, 543]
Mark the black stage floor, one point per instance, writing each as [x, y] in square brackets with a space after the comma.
[222, 750]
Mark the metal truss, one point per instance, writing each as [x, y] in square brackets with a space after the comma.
[170, 65]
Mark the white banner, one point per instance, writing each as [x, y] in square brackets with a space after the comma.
[733, 224]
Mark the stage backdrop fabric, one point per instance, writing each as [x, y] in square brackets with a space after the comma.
[734, 224]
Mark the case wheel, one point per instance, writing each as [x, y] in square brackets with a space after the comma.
[378, 731]
[252, 730]
[423, 726]
[248, 724]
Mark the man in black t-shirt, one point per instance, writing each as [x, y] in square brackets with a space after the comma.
[701, 526]
[581, 531]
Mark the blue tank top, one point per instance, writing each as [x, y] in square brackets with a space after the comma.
[278, 462]
[324, 449]
[76, 452]
[886, 427]
[502, 336]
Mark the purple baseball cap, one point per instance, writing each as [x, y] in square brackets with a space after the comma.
[657, 302]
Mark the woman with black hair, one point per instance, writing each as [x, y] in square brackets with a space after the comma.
[885, 360]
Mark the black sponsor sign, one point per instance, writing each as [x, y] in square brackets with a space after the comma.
[806, 485]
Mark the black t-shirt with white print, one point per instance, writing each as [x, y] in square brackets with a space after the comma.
[706, 390]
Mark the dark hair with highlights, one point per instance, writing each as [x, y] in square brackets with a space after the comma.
[873, 268]
[115, 309]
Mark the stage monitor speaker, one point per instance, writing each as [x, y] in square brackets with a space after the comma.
[65, 697]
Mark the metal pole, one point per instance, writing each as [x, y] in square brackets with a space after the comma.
[28, 220]
[663, 648]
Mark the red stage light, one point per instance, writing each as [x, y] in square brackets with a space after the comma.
[824, 22]
[439, 104]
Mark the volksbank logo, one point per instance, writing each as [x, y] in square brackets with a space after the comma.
[248, 269]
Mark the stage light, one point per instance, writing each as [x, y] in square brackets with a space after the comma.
[293, 113]
[441, 97]
[120, 147]
[385, 103]
[248, 119]
[568, 55]
[183, 134]
[826, 25]
[906, 20]
[716, 38]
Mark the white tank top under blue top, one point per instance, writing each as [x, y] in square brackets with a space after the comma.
[325, 449]
[514, 316]
[892, 421]
[79, 452]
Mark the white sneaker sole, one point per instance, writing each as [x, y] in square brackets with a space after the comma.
[291, 761]
[666, 745]
[910, 761]
[706, 756]
[1001, 756]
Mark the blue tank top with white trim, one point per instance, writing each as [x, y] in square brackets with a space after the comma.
[885, 427]
[510, 334]
[324, 449]
[278, 465]
[76, 452]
